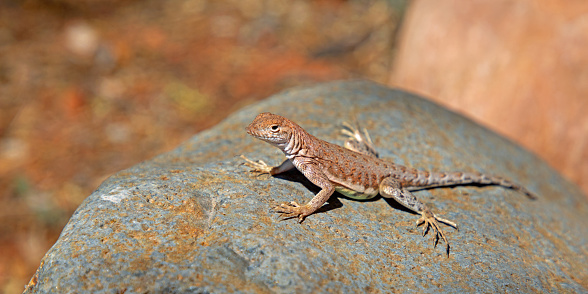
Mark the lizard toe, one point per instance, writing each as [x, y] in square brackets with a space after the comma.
[289, 210]
[430, 221]
[259, 167]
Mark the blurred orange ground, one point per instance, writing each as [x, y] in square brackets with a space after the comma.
[93, 87]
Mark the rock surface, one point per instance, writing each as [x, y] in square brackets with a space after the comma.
[195, 221]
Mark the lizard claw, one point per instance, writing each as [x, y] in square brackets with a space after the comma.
[259, 167]
[289, 210]
[432, 221]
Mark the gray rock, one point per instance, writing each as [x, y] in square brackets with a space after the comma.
[195, 221]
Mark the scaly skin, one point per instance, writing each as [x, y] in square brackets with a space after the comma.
[355, 171]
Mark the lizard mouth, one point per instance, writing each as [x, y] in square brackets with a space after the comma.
[249, 130]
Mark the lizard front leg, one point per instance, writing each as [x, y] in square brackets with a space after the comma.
[391, 188]
[260, 167]
[293, 209]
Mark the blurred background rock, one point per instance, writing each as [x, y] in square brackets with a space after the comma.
[519, 67]
[91, 87]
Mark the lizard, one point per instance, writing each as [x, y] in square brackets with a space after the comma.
[355, 171]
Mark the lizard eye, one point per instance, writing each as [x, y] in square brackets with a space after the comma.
[275, 128]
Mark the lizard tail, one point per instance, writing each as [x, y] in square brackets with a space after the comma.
[460, 178]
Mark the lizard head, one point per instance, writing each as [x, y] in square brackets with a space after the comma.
[274, 129]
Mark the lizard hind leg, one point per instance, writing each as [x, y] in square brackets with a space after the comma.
[430, 220]
[390, 188]
[357, 141]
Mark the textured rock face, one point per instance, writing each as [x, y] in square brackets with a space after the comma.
[194, 221]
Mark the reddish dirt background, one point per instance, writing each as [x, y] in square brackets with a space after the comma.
[519, 67]
[91, 87]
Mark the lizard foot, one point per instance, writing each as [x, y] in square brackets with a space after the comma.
[358, 141]
[259, 167]
[430, 220]
[290, 209]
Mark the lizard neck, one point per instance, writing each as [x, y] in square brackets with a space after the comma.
[297, 144]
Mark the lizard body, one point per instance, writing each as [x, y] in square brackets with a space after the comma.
[354, 171]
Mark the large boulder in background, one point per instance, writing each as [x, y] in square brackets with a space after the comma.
[519, 67]
[195, 221]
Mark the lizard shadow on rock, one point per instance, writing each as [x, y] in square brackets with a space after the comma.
[333, 202]
[296, 176]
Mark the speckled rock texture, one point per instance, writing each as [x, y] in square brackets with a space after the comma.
[196, 221]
